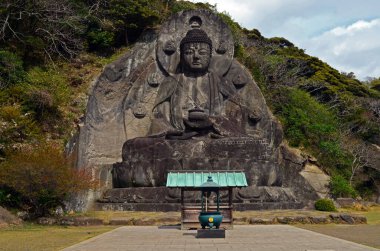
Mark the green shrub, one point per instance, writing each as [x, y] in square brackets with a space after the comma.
[376, 86]
[239, 52]
[16, 127]
[367, 189]
[47, 94]
[11, 69]
[43, 177]
[306, 121]
[335, 82]
[310, 124]
[9, 198]
[340, 187]
[332, 155]
[98, 39]
[325, 205]
[128, 18]
[280, 41]
[234, 26]
[34, 50]
[52, 81]
[252, 34]
[177, 6]
[370, 131]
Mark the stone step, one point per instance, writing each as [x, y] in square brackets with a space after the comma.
[336, 218]
[166, 207]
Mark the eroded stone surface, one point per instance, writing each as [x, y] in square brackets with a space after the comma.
[179, 101]
[345, 202]
[206, 114]
[317, 179]
[262, 221]
[7, 218]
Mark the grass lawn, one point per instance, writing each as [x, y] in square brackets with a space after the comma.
[368, 234]
[36, 237]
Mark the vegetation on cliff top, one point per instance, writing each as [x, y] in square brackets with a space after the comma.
[51, 50]
[329, 115]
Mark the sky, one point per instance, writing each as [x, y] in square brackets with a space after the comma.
[343, 33]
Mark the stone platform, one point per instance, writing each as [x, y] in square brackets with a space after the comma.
[146, 161]
[258, 238]
[211, 233]
[168, 199]
[268, 217]
[176, 207]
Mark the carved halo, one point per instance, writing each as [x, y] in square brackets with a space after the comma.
[172, 32]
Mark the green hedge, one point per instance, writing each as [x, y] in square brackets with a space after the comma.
[325, 205]
[340, 187]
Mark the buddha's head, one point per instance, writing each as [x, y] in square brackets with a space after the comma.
[196, 49]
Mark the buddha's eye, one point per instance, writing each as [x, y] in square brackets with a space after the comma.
[189, 52]
[203, 52]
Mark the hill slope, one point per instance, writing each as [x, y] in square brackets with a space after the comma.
[331, 116]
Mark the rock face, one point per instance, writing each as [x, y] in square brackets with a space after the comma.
[6, 218]
[180, 101]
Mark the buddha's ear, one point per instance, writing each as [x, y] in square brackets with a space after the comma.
[179, 68]
[209, 46]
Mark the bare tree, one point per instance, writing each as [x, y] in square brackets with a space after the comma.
[360, 155]
[54, 22]
[374, 107]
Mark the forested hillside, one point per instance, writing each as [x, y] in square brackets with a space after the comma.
[51, 51]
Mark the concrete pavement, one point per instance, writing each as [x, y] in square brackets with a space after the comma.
[258, 237]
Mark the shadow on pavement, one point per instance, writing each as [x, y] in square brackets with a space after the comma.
[177, 226]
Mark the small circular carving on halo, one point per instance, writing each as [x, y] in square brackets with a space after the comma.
[153, 79]
[195, 22]
[169, 47]
[139, 111]
[222, 48]
[239, 80]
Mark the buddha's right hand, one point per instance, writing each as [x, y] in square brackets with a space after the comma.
[174, 132]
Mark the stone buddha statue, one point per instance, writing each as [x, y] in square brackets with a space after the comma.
[207, 114]
[192, 103]
[178, 100]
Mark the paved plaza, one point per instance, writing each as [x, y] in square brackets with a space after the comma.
[259, 237]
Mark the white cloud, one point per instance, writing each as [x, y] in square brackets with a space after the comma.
[356, 27]
[327, 29]
[355, 47]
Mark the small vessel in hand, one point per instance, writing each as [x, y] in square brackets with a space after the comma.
[197, 114]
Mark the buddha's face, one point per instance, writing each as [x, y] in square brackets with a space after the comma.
[196, 56]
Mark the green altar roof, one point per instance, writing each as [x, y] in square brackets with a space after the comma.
[196, 179]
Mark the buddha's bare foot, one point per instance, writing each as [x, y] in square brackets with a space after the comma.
[215, 136]
[183, 136]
